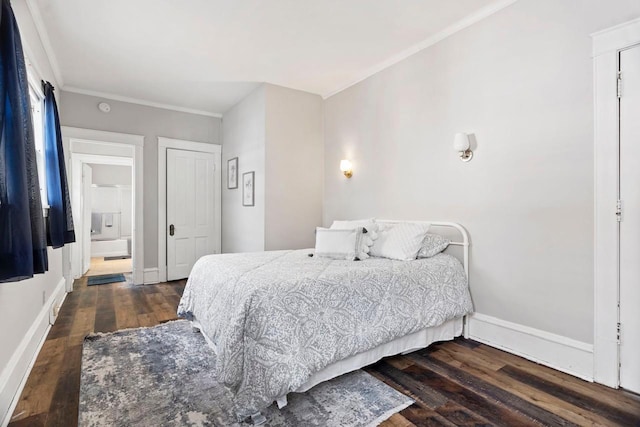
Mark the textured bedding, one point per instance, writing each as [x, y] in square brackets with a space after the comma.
[278, 317]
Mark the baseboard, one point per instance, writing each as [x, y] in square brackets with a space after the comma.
[58, 297]
[151, 276]
[555, 351]
[15, 374]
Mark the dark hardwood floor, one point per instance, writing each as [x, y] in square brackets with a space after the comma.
[458, 383]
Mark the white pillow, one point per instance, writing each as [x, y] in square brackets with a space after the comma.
[346, 244]
[369, 224]
[400, 241]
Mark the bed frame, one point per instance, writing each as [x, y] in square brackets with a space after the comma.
[458, 247]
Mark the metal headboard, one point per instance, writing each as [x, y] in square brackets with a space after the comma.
[463, 238]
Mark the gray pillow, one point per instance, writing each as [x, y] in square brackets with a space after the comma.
[432, 245]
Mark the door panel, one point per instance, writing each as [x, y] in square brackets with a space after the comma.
[190, 209]
[630, 225]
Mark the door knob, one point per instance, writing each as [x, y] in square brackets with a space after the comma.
[172, 230]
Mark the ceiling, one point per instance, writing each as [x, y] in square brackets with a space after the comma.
[207, 55]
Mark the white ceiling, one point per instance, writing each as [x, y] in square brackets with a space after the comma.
[208, 54]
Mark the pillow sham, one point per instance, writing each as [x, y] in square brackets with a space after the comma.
[432, 245]
[399, 241]
[370, 224]
[349, 244]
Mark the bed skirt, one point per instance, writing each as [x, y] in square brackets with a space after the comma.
[403, 345]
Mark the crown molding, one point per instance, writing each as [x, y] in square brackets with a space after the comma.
[144, 102]
[41, 29]
[465, 22]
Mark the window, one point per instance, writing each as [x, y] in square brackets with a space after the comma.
[37, 116]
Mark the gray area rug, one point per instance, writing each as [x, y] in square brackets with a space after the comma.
[165, 376]
[104, 279]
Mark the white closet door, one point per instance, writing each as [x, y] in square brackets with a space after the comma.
[190, 210]
[630, 225]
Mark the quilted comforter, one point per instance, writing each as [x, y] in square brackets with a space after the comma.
[278, 317]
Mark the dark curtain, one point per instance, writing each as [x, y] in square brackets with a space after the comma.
[23, 247]
[59, 222]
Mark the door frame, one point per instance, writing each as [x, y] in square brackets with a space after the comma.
[85, 201]
[607, 45]
[179, 144]
[104, 142]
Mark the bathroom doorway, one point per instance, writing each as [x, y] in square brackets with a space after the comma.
[106, 194]
[110, 202]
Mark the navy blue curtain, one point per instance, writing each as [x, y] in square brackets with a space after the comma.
[59, 222]
[23, 246]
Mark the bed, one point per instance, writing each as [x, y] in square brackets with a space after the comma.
[284, 321]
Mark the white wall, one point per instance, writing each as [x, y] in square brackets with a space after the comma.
[25, 306]
[294, 168]
[244, 136]
[276, 132]
[82, 111]
[522, 82]
[117, 202]
[110, 174]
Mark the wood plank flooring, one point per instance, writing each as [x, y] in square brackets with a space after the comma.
[458, 383]
[50, 396]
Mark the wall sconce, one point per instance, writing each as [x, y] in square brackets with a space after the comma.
[346, 168]
[461, 145]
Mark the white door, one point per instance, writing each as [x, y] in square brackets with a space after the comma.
[190, 210]
[87, 179]
[630, 225]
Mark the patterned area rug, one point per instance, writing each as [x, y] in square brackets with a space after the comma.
[165, 376]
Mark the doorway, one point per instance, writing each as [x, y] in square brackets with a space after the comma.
[104, 200]
[189, 205]
[111, 219]
[108, 216]
[616, 53]
[629, 334]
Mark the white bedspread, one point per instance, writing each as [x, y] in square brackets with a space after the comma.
[278, 317]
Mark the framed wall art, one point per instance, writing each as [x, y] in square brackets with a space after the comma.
[232, 173]
[248, 189]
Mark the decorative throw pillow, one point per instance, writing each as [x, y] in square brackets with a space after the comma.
[432, 245]
[369, 224]
[400, 241]
[349, 244]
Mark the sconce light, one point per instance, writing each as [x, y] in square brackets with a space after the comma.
[461, 145]
[345, 167]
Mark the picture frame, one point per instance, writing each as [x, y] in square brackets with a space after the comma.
[248, 189]
[232, 173]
